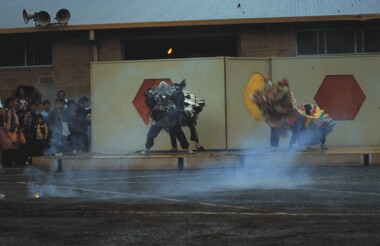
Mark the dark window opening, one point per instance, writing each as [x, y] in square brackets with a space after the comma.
[307, 43]
[183, 48]
[321, 42]
[371, 40]
[340, 41]
[311, 42]
[19, 54]
[359, 40]
[12, 54]
[39, 54]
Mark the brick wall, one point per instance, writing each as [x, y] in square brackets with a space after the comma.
[110, 48]
[71, 71]
[73, 53]
[267, 41]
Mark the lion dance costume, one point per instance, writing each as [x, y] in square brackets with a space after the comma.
[166, 105]
[274, 103]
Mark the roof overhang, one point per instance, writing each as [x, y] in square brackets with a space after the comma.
[107, 26]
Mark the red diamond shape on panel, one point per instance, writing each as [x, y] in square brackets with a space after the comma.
[340, 96]
[139, 100]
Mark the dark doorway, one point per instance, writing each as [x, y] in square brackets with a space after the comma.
[180, 48]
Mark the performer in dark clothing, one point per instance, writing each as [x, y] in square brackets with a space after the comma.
[165, 103]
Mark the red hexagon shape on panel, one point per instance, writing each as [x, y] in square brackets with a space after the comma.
[340, 96]
[139, 100]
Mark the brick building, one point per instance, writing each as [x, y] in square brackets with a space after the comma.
[53, 57]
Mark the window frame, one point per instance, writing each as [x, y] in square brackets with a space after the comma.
[358, 48]
[32, 45]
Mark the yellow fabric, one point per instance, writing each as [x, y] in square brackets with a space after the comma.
[255, 83]
[306, 121]
[318, 112]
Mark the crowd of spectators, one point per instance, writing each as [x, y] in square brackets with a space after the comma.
[29, 128]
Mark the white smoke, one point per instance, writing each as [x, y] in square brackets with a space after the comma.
[100, 185]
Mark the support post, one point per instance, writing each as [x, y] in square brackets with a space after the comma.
[366, 160]
[181, 162]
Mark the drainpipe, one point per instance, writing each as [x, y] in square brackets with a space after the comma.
[91, 37]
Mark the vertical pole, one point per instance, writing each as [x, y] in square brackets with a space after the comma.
[366, 160]
[181, 162]
[92, 38]
[225, 101]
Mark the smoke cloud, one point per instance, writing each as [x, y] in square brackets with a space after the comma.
[103, 185]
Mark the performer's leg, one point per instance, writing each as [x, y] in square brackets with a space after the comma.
[294, 137]
[194, 137]
[176, 130]
[193, 132]
[274, 137]
[153, 132]
[323, 139]
[173, 141]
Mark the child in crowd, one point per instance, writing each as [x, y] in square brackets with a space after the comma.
[42, 133]
[46, 106]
